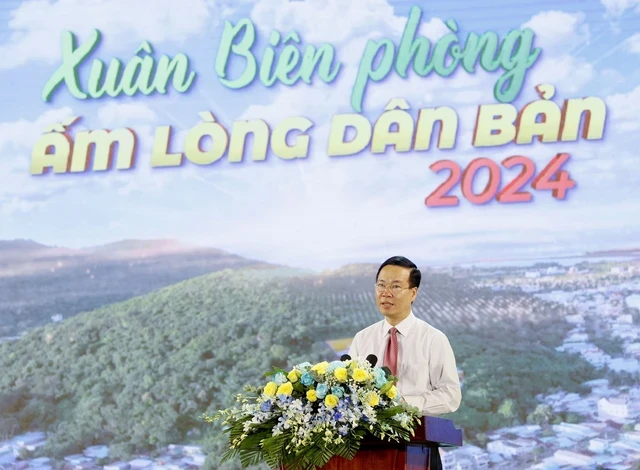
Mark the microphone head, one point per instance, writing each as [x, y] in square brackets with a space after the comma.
[387, 371]
[372, 359]
[345, 357]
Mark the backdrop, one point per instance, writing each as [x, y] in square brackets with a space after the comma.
[193, 192]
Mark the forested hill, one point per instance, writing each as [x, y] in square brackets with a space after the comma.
[38, 282]
[136, 374]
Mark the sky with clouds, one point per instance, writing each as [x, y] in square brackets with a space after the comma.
[319, 212]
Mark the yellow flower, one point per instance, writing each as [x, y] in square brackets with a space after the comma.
[321, 367]
[270, 389]
[311, 395]
[285, 389]
[293, 376]
[341, 374]
[360, 375]
[372, 398]
[392, 392]
[331, 401]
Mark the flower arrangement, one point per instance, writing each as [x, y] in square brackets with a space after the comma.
[300, 419]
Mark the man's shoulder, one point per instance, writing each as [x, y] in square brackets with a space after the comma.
[370, 329]
[428, 328]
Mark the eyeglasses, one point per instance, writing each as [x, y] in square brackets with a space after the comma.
[395, 289]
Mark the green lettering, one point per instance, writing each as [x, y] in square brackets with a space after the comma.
[412, 48]
[515, 62]
[137, 74]
[487, 44]
[287, 64]
[243, 49]
[327, 70]
[110, 85]
[366, 70]
[72, 57]
[179, 68]
[440, 53]
[267, 76]
[135, 78]
[514, 54]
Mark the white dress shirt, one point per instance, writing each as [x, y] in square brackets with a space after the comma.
[427, 372]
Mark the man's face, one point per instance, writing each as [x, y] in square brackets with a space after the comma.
[393, 295]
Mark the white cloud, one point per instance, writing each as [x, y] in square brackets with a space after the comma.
[556, 33]
[616, 8]
[124, 114]
[17, 205]
[623, 110]
[559, 29]
[633, 44]
[333, 21]
[610, 79]
[22, 192]
[36, 25]
[19, 190]
[23, 134]
[567, 73]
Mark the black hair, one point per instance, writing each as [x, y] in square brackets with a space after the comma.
[414, 276]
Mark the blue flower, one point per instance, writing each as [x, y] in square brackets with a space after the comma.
[306, 379]
[266, 406]
[321, 391]
[280, 378]
[304, 365]
[285, 398]
[380, 381]
[343, 430]
[337, 391]
[334, 365]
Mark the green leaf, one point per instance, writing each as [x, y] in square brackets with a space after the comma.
[386, 387]
[250, 457]
[275, 371]
[228, 455]
[389, 412]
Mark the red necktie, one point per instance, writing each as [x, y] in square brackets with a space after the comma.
[391, 353]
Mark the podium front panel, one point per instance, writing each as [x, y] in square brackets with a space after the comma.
[408, 457]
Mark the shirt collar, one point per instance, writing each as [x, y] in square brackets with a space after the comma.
[403, 327]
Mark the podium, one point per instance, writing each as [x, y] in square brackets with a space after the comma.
[418, 454]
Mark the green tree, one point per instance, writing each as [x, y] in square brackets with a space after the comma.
[543, 414]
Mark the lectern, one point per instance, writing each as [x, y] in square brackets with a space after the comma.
[417, 454]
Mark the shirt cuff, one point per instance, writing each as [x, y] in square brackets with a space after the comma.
[416, 401]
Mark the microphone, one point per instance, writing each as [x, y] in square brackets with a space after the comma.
[345, 357]
[387, 371]
[372, 359]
